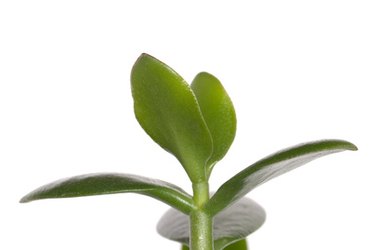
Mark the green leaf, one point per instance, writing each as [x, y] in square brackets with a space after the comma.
[168, 111]
[218, 112]
[113, 183]
[238, 245]
[271, 167]
[230, 225]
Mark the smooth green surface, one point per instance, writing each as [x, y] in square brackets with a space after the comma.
[271, 167]
[238, 245]
[218, 112]
[201, 230]
[200, 221]
[230, 225]
[168, 111]
[112, 183]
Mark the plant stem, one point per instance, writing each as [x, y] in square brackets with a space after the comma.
[200, 222]
[201, 193]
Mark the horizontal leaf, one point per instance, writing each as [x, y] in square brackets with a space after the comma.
[113, 183]
[238, 245]
[271, 167]
[218, 112]
[168, 111]
[230, 225]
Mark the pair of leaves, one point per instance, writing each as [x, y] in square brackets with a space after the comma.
[227, 195]
[230, 225]
[195, 123]
[232, 190]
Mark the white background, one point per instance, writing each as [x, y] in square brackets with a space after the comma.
[295, 70]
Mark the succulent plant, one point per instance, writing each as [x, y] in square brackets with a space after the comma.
[197, 124]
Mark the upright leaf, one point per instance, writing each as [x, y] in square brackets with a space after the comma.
[271, 167]
[113, 183]
[230, 225]
[168, 111]
[218, 112]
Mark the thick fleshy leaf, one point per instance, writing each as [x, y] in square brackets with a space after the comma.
[230, 225]
[113, 183]
[271, 167]
[238, 245]
[218, 112]
[168, 111]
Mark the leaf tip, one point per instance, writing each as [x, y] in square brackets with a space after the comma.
[145, 56]
[141, 58]
[352, 147]
[205, 75]
[346, 145]
[24, 199]
[336, 144]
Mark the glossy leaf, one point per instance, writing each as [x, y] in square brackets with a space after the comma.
[218, 112]
[112, 183]
[238, 245]
[230, 225]
[271, 167]
[168, 111]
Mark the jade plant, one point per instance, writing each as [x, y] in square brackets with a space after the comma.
[197, 124]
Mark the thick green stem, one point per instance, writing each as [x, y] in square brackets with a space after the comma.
[201, 193]
[200, 222]
[200, 231]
